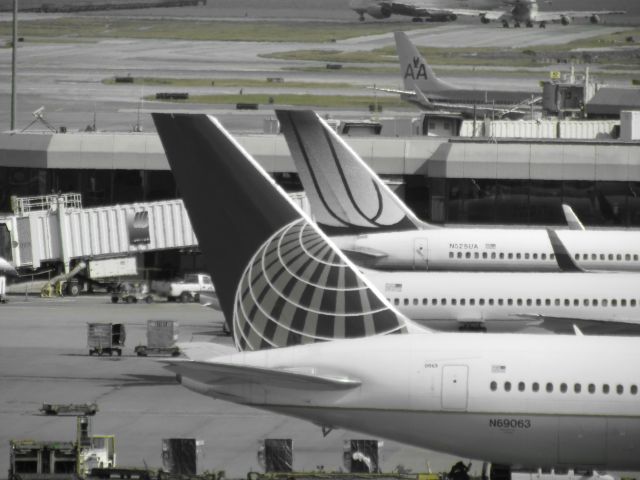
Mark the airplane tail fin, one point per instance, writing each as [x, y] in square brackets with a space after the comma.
[345, 195]
[416, 72]
[280, 281]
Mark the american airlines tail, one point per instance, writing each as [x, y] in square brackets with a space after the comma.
[346, 196]
[416, 72]
[280, 281]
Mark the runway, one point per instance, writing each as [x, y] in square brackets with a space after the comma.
[44, 359]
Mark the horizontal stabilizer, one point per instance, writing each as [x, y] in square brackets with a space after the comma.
[568, 325]
[227, 374]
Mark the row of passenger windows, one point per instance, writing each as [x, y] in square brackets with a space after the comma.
[538, 302]
[543, 256]
[563, 387]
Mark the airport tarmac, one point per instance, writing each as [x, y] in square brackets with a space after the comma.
[44, 358]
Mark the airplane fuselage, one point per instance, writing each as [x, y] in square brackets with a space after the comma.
[520, 400]
[487, 249]
[502, 301]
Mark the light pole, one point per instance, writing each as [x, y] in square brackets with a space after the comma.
[14, 49]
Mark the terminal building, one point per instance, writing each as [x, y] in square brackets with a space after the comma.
[451, 180]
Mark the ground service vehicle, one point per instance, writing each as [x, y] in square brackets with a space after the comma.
[105, 338]
[186, 290]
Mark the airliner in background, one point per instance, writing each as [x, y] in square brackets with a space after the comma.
[525, 401]
[423, 88]
[516, 13]
[377, 230]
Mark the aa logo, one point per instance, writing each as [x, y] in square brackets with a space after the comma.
[416, 70]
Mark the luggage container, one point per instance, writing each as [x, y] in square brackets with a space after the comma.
[162, 336]
[105, 338]
[180, 456]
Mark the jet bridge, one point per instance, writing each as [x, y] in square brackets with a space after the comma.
[57, 230]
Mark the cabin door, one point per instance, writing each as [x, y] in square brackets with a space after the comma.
[420, 254]
[454, 387]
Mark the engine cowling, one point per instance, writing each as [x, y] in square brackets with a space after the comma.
[594, 18]
[564, 20]
[379, 11]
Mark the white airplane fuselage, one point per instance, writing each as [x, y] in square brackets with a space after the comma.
[520, 400]
[498, 249]
[502, 301]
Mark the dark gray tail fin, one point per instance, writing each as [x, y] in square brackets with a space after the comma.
[345, 195]
[416, 72]
[280, 281]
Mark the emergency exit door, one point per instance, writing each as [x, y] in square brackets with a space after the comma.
[454, 387]
[420, 254]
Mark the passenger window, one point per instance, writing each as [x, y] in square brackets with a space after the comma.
[425, 301]
[576, 302]
[526, 256]
[459, 254]
[577, 256]
[406, 301]
[634, 390]
[614, 302]
[618, 257]
[443, 301]
[632, 302]
[549, 387]
[619, 389]
[500, 301]
[547, 301]
[585, 302]
[538, 301]
[472, 301]
[462, 301]
[557, 302]
[543, 256]
[415, 301]
[594, 256]
[567, 302]
[563, 387]
[509, 301]
[484, 255]
[507, 386]
[493, 386]
[518, 256]
[577, 387]
[535, 386]
[635, 257]
[521, 386]
[605, 388]
[602, 256]
[434, 301]
[396, 301]
[491, 301]
[510, 256]
[595, 302]
[467, 255]
[627, 257]
[481, 301]
[454, 301]
[535, 256]
[528, 302]
[493, 255]
[623, 302]
[585, 256]
[552, 256]
[519, 302]
[605, 302]
[501, 256]
[476, 255]
[611, 256]
[451, 254]
[592, 388]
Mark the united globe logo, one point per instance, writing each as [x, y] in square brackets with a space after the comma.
[297, 289]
